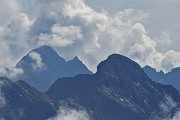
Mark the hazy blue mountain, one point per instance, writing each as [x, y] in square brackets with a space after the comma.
[48, 67]
[119, 90]
[170, 78]
[19, 101]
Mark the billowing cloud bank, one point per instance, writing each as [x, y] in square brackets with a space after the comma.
[75, 29]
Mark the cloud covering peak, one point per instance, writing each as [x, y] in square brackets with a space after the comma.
[36, 57]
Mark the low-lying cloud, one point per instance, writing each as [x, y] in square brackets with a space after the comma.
[65, 113]
[11, 73]
[166, 108]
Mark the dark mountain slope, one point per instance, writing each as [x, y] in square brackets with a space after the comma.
[119, 90]
[22, 102]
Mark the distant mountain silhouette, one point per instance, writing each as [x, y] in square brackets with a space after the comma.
[42, 66]
[22, 102]
[119, 90]
[170, 78]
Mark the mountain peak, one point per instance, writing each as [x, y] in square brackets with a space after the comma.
[149, 68]
[76, 58]
[119, 86]
[116, 62]
[47, 51]
[120, 65]
[42, 48]
[117, 56]
[79, 66]
[42, 66]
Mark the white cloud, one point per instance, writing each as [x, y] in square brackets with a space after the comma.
[75, 29]
[164, 15]
[13, 42]
[61, 36]
[65, 113]
[166, 108]
[11, 73]
[103, 34]
[122, 33]
[15, 32]
[8, 8]
[38, 62]
[164, 40]
[176, 116]
[171, 59]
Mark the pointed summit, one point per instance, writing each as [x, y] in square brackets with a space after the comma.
[76, 58]
[42, 66]
[43, 48]
[79, 67]
[46, 51]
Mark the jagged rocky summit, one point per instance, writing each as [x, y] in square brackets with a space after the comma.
[42, 66]
[170, 78]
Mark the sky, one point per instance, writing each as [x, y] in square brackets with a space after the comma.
[147, 31]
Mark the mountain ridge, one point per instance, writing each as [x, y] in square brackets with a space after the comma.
[42, 66]
[170, 78]
[119, 89]
[23, 102]
[119, 85]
